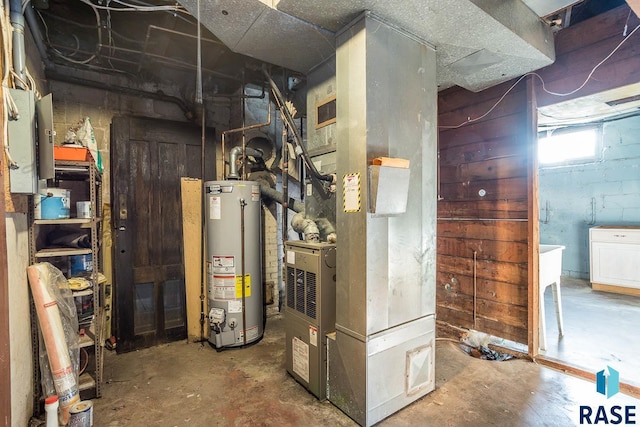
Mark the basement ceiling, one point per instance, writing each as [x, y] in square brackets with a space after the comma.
[479, 42]
[608, 105]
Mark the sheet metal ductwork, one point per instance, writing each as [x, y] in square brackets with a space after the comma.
[479, 43]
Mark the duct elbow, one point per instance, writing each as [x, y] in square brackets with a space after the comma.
[305, 226]
[235, 159]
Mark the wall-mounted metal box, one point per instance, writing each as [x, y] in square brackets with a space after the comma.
[23, 178]
[388, 190]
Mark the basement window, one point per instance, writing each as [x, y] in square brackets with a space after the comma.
[566, 146]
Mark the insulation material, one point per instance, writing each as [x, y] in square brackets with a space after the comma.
[59, 326]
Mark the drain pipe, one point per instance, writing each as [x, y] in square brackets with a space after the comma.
[19, 60]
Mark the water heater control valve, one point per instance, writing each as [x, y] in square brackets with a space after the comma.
[216, 316]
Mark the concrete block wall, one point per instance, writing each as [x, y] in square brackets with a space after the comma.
[604, 192]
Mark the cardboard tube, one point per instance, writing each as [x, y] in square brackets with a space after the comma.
[53, 333]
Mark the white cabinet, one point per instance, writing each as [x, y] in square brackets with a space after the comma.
[614, 255]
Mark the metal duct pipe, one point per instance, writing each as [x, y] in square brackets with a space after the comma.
[327, 230]
[30, 15]
[272, 194]
[305, 226]
[19, 56]
[234, 154]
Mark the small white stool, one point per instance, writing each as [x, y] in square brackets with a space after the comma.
[550, 270]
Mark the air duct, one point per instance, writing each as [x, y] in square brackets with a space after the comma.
[300, 34]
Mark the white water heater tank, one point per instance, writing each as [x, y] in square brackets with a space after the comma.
[234, 263]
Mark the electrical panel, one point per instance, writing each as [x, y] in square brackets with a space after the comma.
[21, 128]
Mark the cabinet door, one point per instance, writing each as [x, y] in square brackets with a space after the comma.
[148, 158]
[615, 264]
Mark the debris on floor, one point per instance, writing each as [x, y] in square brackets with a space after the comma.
[486, 353]
[476, 344]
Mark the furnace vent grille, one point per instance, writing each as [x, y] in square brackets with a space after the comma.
[301, 291]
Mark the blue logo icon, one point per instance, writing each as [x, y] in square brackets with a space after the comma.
[608, 382]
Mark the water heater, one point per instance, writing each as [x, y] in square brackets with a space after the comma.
[234, 270]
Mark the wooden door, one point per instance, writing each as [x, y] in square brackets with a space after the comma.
[148, 158]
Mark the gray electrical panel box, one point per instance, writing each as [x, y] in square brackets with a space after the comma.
[310, 311]
[29, 164]
[23, 177]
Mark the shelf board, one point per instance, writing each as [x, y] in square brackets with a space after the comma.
[86, 341]
[86, 382]
[82, 293]
[63, 221]
[55, 252]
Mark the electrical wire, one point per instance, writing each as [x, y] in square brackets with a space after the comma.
[7, 99]
[544, 88]
[66, 56]
[134, 8]
[112, 45]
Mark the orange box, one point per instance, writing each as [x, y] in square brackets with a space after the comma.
[71, 153]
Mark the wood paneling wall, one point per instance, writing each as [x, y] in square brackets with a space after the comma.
[581, 47]
[497, 154]
[483, 239]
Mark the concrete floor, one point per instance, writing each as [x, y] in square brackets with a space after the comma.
[183, 384]
[600, 328]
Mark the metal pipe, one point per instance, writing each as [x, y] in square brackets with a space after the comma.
[475, 283]
[233, 160]
[17, 40]
[244, 311]
[109, 57]
[30, 16]
[286, 115]
[54, 75]
[285, 185]
[204, 224]
[244, 139]
[180, 33]
[226, 132]
[183, 64]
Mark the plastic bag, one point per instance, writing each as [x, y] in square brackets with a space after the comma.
[87, 138]
[57, 288]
